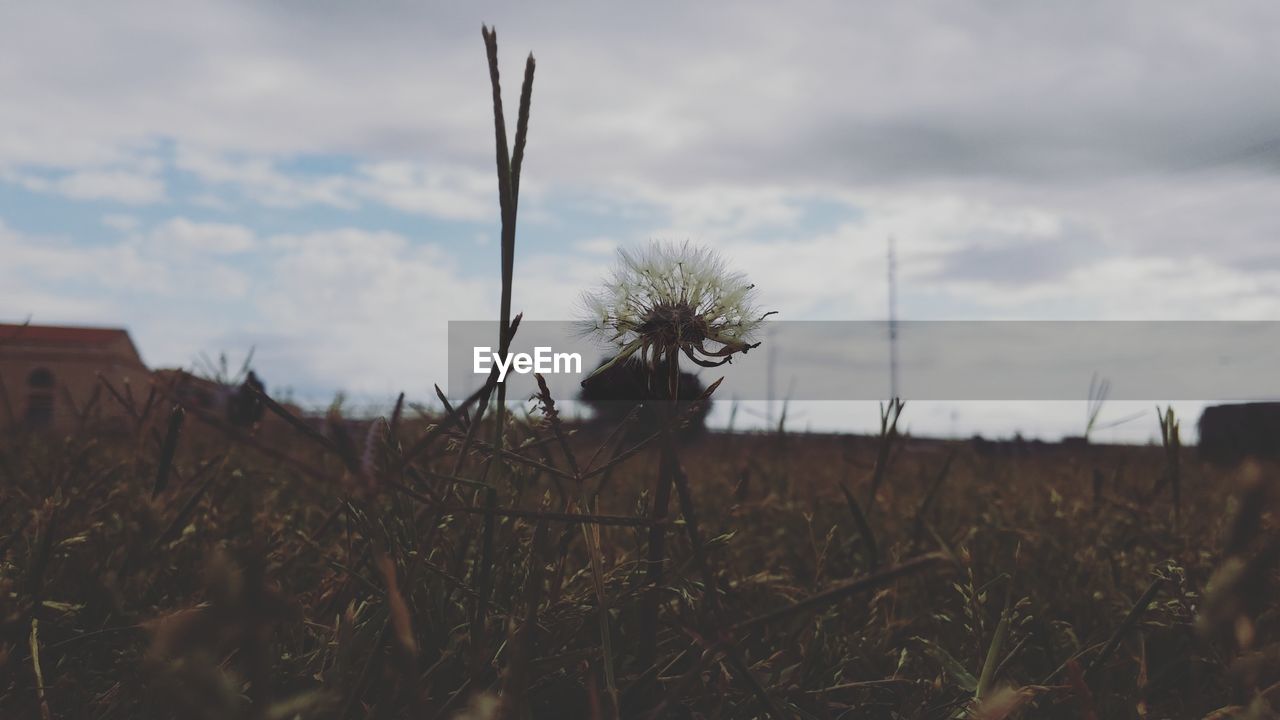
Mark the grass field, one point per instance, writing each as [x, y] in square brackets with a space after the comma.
[213, 572]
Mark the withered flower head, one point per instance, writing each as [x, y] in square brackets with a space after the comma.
[668, 298]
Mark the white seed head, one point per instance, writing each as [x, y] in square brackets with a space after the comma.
[667, 298]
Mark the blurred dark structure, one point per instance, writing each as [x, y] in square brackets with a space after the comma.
[237, 403]
[245, 406]
[1231, 433]
[615, 392]
[1017, 446]
[47, 372]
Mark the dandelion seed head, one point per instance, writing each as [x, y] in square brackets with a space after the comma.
[665, 298]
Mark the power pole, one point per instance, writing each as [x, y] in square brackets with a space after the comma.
[771, 367]
[893, 321]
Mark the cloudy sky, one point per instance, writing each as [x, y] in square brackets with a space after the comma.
[315, 180]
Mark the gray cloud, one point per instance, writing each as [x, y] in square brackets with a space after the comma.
[1003, 259]
[828, 92]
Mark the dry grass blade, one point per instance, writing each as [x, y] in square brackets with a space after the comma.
[167, 449]
[888, 435]
[668, 466]
[836, 594]
[150, 404]
[294, 422]
[569, 517]
[462, 417]
[14, 534]
[11, 419]
[639, 447]
[744, 675]
[34, 642]
[85, 413]
[370, 667]
[462, 421]
[250, 441]
[500, 129]
[1003, 703]
[522, 127]
[508, 184]
[1076, 678]
[180, 520]
[614, 435]
[990, 665]
[125, 403]
[428, 438]
[591, 536]
[205, 467]
[917, 530]
[864, 529]
[557, 428]
[451, 479]
[397, 414]
[36, 572]
[1171, 442]
[1123, 629]
[516, 683]
[522, 459]
[398, 609]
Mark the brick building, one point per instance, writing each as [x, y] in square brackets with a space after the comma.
[43, 369]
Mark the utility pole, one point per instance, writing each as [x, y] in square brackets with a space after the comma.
[772, 367]
[893, 321]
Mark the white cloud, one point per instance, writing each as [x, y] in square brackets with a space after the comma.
[26, 290]
[113, 274]
[125, 186]
[597, 246]
[1129, 288]
[210, 201]
[365, 311]
[120, 221]
[726, 208]
[122, 186]
[435, 190]
[36, 268]
[259, 180]
[182, 237]
[456, 193]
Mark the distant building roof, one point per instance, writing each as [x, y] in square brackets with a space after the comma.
[65, 339]
[59, 335]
